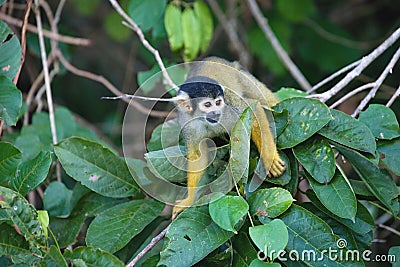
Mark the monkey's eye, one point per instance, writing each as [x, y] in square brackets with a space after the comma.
[207, 104]
[218, 102]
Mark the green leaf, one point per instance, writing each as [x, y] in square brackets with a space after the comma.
[173, 26]
[395, 251]
[168, 164]
[10, 100]
[31, 174]
[390, 154]
[203, 14]
[10, 51]
[270, 238]
[12, 243]
[259, 263]
[96, 167]
[287, 92]
[296, 10]
[146, 13]
[44, 220]
[2, 2]
[164, 135]
[243, 249]
[112, 229]
[306, 117]
[308, 232]
[270, 202]
[191, 30]
[227, 211]
[240, 145]
[378, 181]
[87, 7]
[281, 121]
[10, 158]
[317, 157]
[54, 258]
[350, 132]
[362, 224]
[381, 120]
[57, 199]
[283, 179]
[25, 218]
[191, 237]
[360, 188]
[88, 256]
[114, 27]
[337, 196]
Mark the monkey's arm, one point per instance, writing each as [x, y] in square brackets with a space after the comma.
[196, 165]
[263, 139]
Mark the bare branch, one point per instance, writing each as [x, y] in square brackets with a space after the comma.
[132, 25]
[240, 49]
[48, 34]
[152, 243]
[378, 83]
[365, 61]
[263, 23]
[393, 98]
[352, 93]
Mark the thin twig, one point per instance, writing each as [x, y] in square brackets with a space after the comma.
[48, 34]
[388, 69]
[390, 229]
[1, 127]
[59, 9]
[109, 86]
[132, 25]
[23, 38]
[46, 75]
[393, 98]
[350, 94]
[263, 23]
[334, 75]
[237, 45]
[365, 61]
[152, 243]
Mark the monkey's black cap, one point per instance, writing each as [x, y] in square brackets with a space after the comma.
[200, 86]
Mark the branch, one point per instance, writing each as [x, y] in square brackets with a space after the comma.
[394, 96]
[133, 26]
[109, 86]
[48, 34]
[152, 243]
[263, 23]
[240, 49]
[351, 93]
[365, 61]
[378, 83]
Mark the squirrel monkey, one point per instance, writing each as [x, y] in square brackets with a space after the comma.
[209, 102]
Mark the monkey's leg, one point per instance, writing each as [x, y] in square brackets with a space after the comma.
[262, 137]
[197, 163]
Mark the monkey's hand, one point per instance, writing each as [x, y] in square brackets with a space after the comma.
[277, 166]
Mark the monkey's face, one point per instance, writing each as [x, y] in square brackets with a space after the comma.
[211, 108]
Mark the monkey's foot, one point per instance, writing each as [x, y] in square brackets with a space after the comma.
[277, 166]
[181, 206]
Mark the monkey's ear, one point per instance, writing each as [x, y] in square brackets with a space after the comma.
[183, 102]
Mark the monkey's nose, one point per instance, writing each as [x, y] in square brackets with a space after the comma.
[213, 116]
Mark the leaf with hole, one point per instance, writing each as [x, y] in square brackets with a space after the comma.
[270, 202]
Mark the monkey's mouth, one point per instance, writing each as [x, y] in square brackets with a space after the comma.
[213, 118]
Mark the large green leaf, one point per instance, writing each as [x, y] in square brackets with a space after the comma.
[191, 237]
[57, 199]
[306, 117]
[317, 157]
[191, 30]
[96, 167]
[31, 173]
[164, 135]
[54, 258]
[12, 243]
[10, 101]
[350, 132]
[270, 238]
[381, 120]
[10, 51]
[270, 202]
[112, 229]
[243, 251]
[362, 224]
[10, 158]
[286, 92]
[227, 211]
[308, 232]
[25, 218]
[337, 196]
[173, 26]
[203, 14]
[390, 154]
[395, 251]
[88, 256]
[146, 13]
[378, 180]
